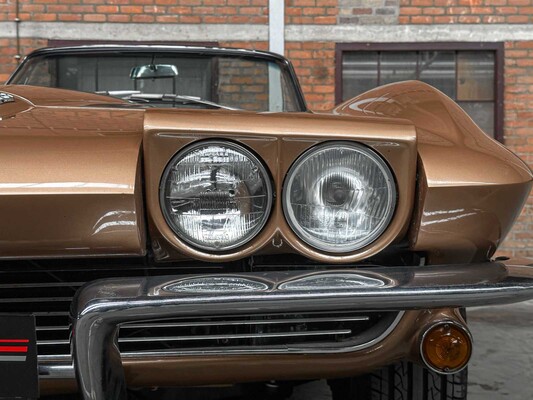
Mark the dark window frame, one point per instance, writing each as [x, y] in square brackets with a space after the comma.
[496, 47]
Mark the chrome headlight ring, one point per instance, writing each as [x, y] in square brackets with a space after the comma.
[215, 195]
[339, 197]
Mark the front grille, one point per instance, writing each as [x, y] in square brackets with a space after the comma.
[46, 288]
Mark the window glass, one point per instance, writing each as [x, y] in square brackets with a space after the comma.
[397, 66]
[482, 113]
[437, 68]
[466, 76]
[359, 73]
[475, 75]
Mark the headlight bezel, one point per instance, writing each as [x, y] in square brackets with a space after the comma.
[256, 160]
[359, 245]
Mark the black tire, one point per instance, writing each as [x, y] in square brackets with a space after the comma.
[401, 381]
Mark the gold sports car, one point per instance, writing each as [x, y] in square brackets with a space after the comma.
[176, 216]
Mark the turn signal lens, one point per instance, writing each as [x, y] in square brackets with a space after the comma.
[446, 348]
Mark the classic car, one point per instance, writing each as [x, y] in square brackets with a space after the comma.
[176, 216]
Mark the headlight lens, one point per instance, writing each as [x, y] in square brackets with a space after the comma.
[339, 197]
[216, 195]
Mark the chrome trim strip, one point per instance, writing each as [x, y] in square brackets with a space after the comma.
[52, 342]
[6, 98]
[244, 322]
[232, 336]
[52, 328]
[59, 369]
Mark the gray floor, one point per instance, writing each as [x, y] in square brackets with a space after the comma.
[502, 364]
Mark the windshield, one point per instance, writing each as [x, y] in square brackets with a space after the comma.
[249, 83]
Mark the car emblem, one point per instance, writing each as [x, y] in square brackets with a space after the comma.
[6, 98]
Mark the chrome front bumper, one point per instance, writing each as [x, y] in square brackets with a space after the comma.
[100, 307]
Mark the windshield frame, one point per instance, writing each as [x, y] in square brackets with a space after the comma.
[284, 63]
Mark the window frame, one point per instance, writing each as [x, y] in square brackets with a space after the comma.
[496, 47]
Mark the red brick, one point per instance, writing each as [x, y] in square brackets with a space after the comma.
[106, 9]
[69, 17]
[411, 11]
[421, 19]
[445, 19]
[518, 19]
[325, 20]
[142, 18]
[94, 17]
[44, 17]
[493, 19]
[119, 18]
[132, 9]
[433, 10]
[506, 10]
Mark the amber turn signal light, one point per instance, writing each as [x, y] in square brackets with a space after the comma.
[446, 347]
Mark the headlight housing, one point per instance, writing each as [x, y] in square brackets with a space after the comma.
[215, 195]
[339, 196]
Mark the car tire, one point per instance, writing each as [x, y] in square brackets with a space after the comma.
[401, 381]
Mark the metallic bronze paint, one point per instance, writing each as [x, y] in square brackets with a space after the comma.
[471, 188]
[70, 181]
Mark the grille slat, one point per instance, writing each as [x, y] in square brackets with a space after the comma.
[37, 299]
[229, 336]
[254, 322]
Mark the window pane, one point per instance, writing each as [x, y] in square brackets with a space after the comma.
[397, 66]
[359, 73]
[475, 75]
[437, 68]
[482, 114]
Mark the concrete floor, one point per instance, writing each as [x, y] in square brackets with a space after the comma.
[502, 364]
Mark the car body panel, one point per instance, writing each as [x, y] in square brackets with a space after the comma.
[471, 188]
[70, 178]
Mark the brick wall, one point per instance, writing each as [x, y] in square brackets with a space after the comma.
[162, 11]
[314, 63]
[376, 12]
[316, 12]
[518, 131]
[8, 51]
[466, 11]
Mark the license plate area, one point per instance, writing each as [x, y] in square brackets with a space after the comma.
[18, 357]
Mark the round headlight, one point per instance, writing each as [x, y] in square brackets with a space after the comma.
[339, 197]
[215, 195]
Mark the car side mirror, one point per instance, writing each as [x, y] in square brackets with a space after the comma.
[154, 71]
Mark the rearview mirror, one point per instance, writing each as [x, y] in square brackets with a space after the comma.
[154, 71]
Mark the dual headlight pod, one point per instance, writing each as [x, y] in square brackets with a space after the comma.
[337, 197]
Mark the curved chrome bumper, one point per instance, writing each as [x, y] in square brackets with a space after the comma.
[101, 306]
